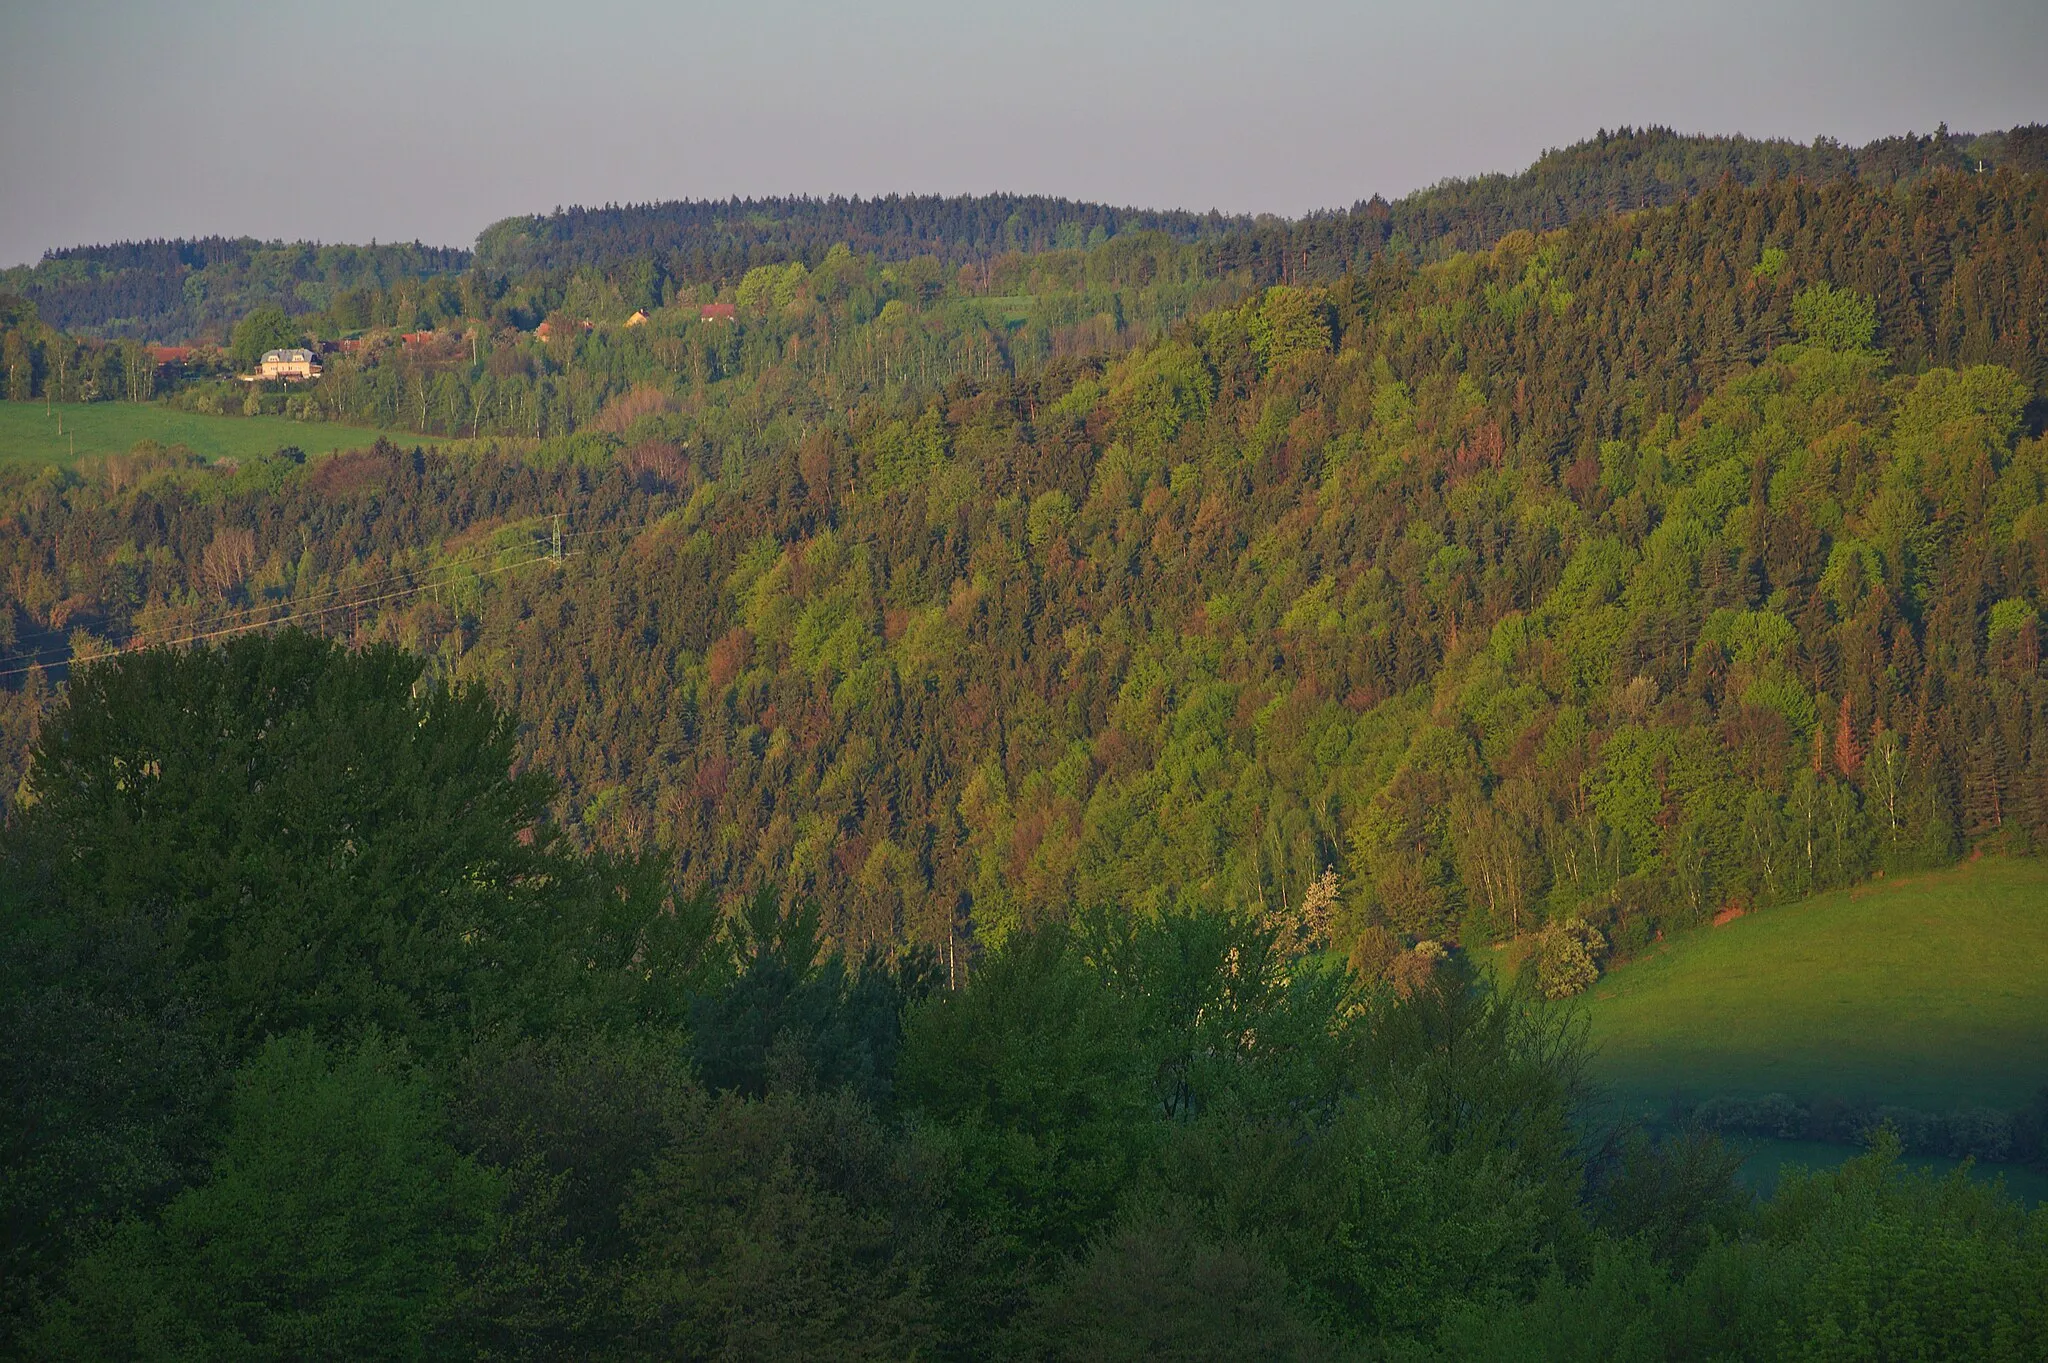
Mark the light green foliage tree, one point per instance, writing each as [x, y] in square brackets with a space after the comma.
[907, 453]
[1626, 790]
[1568, 958]
[1049, 515]
[265, 328]
[1854, 568]
[1950, 437]
[767, 286]
[2009, 617]
[1160, 393]
[1287, 324]
[1533, 272]
[1835, 319]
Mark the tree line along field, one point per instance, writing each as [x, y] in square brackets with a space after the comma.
[29, 432]
[1925, 991]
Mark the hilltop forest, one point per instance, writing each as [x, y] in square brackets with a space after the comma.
[190, 291]
[948, 807]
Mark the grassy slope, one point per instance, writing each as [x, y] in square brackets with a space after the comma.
[28, 436]
[1929, 991]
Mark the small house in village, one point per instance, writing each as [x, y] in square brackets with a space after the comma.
[717, 312]
[290, 364]
[169, 359]
[431, 343]
[638, 319]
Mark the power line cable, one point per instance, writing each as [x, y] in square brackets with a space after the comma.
[422, 577]
[470, 556]
[299, 613]
[299, 603]
[244, 628]
[620, 529]
[369, 584]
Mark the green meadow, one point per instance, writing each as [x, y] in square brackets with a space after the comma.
[31, 435]
[1927, 991]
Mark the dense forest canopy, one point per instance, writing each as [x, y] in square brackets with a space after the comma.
[911, 786]
[319, 1046]
[175, 290]
[725, 238]
[1615, 171]
[188, 290]
[1587, 580]
[1654, 167]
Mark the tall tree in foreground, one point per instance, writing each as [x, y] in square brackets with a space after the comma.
[227, 845]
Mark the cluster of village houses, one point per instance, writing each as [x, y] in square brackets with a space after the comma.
[297, 363]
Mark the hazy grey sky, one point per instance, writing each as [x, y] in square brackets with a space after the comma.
[343, 120]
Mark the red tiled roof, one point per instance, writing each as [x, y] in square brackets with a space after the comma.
[717, 312]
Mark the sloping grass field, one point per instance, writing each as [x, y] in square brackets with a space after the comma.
[29, 436]
[1926, 991]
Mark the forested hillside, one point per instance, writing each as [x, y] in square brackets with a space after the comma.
[1654, 167]
[651, 253]
[713, 239]
[172, 290]
[1612, 172]
[1685, 557]
[950, 807]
